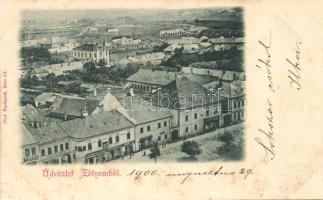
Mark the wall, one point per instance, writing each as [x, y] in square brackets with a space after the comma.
[155, 132]
[201, 113]
[80, 156]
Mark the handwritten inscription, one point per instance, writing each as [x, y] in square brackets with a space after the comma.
[266, 62]
[266, 137]
[138, 174]
[268, 143]
[245, 173]
[294, 69]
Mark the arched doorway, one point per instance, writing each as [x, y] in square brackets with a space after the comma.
[66, 159]
[175, 134]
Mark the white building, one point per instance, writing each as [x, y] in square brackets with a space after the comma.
[92, 52]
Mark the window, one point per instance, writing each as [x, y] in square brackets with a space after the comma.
[234, 104]
[195, 127]
[186, 129]
[207, 113]
[49, 150]
[195, 115]
[75, 148]
[79, 149]
[159, 138]
[110, 140]
[148, 128]
[33, 151]
[61, 147]
[117, 138]
[43, 152]
[186, 118]
[56, 148]
[165, 136]
[89, 146]
[128, 136]
[159, 125]
[27, 153]
[105, 144]
[67, 146]
[99, 143]
[242, 102]
[165, 123]
[84, 148]
[242, 114]
[141, 130]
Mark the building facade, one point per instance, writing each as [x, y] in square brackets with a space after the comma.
[92, 52]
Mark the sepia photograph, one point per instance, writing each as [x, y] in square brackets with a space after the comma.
[132, 86]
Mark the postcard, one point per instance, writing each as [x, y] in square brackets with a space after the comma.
[161, 99]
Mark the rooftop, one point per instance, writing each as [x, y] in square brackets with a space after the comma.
[48, 133]
[86, 47]
[27, 137]
[46, 96]
[31, 114]
[201, 79]
[73, 106]
[145, 116]
[152, 77]
[96, 124]
[184, 93]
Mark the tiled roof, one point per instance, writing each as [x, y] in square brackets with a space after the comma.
[46, 96]
[145, 116]
[184, 93]
[48, 133]
[73, 106]
[31, 114]
[233, 89]
[141, 110]
[152, 77]
[201, 79]
[27, 137]
[96, 124]
[86, 47]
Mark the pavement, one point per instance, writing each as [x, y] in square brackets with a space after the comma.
[172, 152]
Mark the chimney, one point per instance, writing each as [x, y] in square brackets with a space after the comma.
[84, 111]
[94, 92]
[178, 75]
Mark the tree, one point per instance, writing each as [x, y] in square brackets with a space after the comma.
[155, 151]
[191, 148]
[89, 66]
[226, 137]
[230, 150]
[50, 80]
[74, 88]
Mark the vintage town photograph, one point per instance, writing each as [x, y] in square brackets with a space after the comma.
[130, 86]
